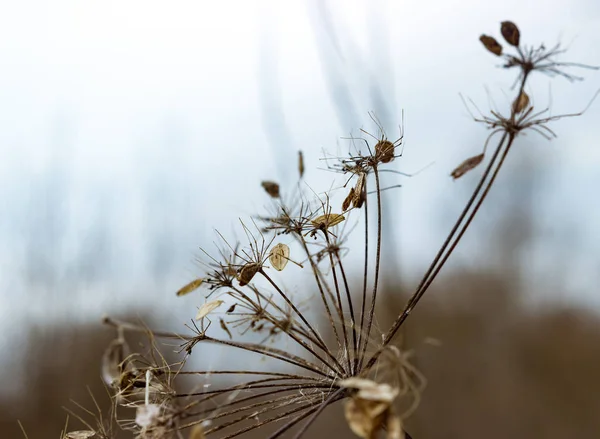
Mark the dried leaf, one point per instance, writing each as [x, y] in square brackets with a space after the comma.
[207, 308]
[279, 256]
[328, 220]
[192, 286]
[466, 166]
[348, 200]
[80, 434]
[197, 432]
[247, 272]
[225, 328]
[300, 164]
[491, 44]
[384, 151]
[271, 188]
[510, 32]
[521, 103]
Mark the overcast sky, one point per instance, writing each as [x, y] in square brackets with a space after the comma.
[130, 129]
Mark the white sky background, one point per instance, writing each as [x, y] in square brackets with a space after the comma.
[129, 129]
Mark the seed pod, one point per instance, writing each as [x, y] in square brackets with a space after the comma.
[521, 103]
[359, 192]
[271, 188]
[225, 328]
[466, 166]
[348, 200]
[207, 308]
[328, 220]
[384, 151]
[279, 256]
[247, 272]
[510, 32]
[491, 44]
[300, 164]
[192, 286]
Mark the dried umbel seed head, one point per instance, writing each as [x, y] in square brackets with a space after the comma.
[384, 151]
[192, 286]
[491, 44]
[271, 188]
[247, 272]
[207, 308]
[510, 32]
[466, 166]
[279, 256]
[521, 103]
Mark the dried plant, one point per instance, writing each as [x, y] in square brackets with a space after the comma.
[349, 358]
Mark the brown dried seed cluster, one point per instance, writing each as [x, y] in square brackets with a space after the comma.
[271, 188]
[510, 32]
[384, 151]
[466, 166]
[491, 44]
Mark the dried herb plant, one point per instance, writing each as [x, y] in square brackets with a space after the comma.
[345, 358]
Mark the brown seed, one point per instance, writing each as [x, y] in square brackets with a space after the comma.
[384, 151]
[300, 164]
[510, 32]
[348, 200]
[491, 44]
[247, 272]
[192, 286]
[466, 166]
[521, 103]
[225, 328]
[271, 188]
[231, 308]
